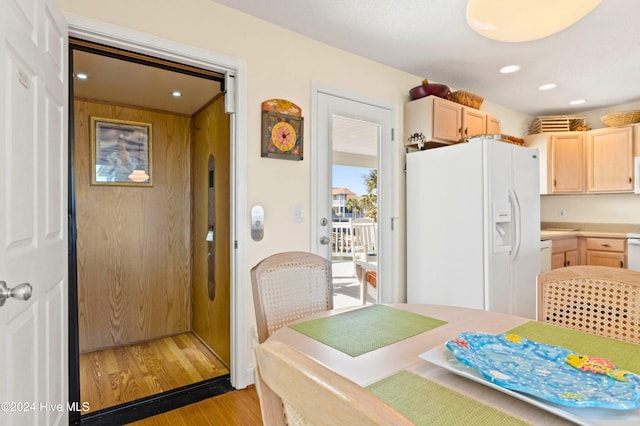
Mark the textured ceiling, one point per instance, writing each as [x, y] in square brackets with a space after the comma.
[595, 59]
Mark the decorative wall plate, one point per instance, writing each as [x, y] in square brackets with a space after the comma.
[282, 130]
[552, 373]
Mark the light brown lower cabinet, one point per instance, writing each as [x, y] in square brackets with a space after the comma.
[606, 252]
[564, 252]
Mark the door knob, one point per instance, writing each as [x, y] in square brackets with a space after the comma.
[21, 292]
[324, 241]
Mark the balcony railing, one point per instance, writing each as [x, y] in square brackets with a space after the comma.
[341, 239]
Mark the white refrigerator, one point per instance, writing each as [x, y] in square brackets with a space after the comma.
[473, 226]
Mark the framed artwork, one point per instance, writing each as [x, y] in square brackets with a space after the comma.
[282, 128]
[120, 152]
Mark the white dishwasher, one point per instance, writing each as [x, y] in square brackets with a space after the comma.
[633, 252]
[545, 255]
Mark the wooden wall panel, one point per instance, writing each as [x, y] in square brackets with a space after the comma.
[211, 319]
[134, 243]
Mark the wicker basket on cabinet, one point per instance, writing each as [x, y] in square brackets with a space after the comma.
[621, 118]
[466, 98]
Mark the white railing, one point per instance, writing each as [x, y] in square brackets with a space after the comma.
[340, 239]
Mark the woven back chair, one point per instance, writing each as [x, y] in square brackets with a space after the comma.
[596, 299]
[289, 286]
[296, 390]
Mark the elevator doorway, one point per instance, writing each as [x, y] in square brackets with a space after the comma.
[137, 268]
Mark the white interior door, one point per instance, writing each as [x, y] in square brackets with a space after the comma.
[33, 220]
[329, 104]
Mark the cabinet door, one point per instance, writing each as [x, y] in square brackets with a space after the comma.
[605, 258]
[571, 258]
[557, 260]
[447, 121]
[473, 122]
[566, 163]
[493, 125]
[610, 160]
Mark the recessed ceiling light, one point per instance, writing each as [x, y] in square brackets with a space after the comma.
[577, 102]
[547, 86]
[176, 94]
[509, 69]
[81, 76]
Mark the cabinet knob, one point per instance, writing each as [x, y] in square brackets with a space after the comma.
[630, 180]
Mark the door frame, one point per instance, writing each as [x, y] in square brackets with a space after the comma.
[390, 275]
[235, 103]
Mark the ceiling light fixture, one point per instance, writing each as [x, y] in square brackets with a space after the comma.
[525, 20]
[577, 102]
[509, 69]
[547, 86]
[176, 93]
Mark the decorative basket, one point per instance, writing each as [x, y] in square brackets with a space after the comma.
[557, 123]
[466, 98]
[621, 118]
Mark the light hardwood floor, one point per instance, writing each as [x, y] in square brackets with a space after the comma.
[241, 407]
[113, 376]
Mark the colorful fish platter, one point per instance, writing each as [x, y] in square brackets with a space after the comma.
[552, 373]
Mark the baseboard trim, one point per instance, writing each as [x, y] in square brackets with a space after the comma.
[157, 404]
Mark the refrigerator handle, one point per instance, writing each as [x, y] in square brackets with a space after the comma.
[517, 224]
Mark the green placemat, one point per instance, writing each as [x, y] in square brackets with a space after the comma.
[428, 403]
[623, 354]
[366, 329]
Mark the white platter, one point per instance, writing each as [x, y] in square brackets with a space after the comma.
[442, 357]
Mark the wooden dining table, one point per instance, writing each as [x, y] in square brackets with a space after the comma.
[376, 364]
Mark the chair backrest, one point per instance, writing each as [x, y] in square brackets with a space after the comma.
[295, 389]
[289, 286]
[596, 299]
[363, 238]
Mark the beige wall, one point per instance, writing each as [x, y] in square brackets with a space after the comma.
[592, 208]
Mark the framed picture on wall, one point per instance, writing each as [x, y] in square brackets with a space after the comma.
[120, 152]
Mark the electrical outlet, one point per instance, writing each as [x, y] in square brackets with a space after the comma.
[561, 212]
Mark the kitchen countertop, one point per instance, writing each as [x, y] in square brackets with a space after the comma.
[555, 234]
[559, 230]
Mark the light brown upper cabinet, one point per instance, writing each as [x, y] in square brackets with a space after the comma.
[442, 121]
[561, 161]
[493, 125]
[609, 160]
[474, 122]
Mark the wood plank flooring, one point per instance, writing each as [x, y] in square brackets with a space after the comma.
[113, 376]
[241, 407]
